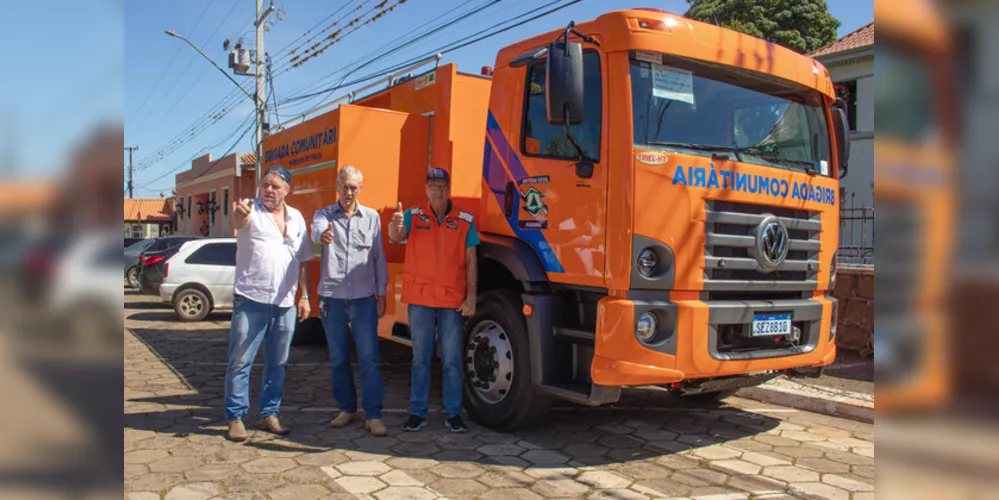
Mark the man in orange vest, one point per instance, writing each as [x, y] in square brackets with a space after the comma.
[439, 284]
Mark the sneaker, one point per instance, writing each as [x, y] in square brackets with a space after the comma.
[455, 424]
[414, 423]
[237, 431]
[375, 427]
[343, 419]
[273, 425]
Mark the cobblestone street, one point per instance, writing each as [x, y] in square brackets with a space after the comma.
[649, 445]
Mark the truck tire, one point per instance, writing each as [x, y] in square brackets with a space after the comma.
[499, 390]
[191, 304]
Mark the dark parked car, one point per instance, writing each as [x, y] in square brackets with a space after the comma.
[131, 241]
[131, 267]
[158, 246]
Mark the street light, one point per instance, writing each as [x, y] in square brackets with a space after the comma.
[258, 97]
[231, 79]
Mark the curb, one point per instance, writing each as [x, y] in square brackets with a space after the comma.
[828, 401]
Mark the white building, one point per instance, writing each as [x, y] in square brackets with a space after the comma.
[850, 61]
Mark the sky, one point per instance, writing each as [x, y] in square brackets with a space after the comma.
[169, 89]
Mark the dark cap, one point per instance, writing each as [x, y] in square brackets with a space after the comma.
[280, 172]
[438, 173]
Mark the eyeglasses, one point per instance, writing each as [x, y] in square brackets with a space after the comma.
[438, 187]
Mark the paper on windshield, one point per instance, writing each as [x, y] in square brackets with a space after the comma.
[672, 83]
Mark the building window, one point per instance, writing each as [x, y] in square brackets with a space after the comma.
[540, 138]
[211, 213]
[225, 202]
[188, 207]
[848, 92]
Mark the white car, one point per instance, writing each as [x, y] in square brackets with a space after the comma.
[199, 278]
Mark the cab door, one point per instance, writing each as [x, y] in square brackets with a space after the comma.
[560, 209]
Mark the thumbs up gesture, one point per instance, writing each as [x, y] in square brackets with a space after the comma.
[327, 237]
[397, 228]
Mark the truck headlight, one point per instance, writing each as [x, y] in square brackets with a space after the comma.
[832, 271]
[647, 261]
[646, 328]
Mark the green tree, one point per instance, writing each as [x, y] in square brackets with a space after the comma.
[800, 25]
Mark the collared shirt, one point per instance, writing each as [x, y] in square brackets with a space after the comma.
[353, 266]
[471, 239]
[268, 262]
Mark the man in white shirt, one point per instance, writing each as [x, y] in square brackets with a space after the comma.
[272, 251]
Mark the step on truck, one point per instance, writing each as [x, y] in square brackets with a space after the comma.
[657, 200]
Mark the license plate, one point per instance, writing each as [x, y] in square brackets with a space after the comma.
[771, 324]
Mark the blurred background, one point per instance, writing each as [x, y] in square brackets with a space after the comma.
[61, 101]
[936, 190]
[936, 223]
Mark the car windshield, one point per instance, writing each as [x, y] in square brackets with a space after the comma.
[705, 109]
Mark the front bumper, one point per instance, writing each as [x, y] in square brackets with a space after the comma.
[708, 339]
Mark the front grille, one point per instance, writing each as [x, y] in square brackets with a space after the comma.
[730, 234]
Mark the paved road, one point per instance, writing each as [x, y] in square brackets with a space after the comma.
[647, 446]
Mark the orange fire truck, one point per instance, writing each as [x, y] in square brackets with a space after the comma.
[657, 200]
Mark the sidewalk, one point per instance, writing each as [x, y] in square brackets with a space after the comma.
[846, 390]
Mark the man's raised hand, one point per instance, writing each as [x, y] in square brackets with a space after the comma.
[327, 237]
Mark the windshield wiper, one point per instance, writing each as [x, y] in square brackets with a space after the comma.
[700, 147]
[809, 165]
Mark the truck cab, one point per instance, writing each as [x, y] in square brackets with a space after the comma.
[681, 235]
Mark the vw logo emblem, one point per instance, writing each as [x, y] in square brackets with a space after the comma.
[772, 242]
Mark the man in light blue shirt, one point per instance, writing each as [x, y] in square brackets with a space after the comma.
[352, 292]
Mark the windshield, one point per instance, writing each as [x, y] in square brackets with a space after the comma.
[903, 101]
[706, 109]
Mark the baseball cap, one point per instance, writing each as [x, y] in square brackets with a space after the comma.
[438, 173]
[280, 172]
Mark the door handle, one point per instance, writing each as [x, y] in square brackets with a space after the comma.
[509, 199]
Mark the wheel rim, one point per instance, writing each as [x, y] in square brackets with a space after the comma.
[191, 305]
[133, 278]
[489, 362]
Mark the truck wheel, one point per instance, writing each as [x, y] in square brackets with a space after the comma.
[499, 390]
[133, 278]
[191, 304]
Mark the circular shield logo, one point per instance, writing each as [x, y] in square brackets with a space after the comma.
[772, 243]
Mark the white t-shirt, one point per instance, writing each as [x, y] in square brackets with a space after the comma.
[267, 262]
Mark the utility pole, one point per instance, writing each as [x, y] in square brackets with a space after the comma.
[260, 72]
[130, 149]
[260, 97]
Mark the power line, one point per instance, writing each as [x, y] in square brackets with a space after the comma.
[399, 44]
[167, 67]
[458, 44]
[182, 165]
[235, 4]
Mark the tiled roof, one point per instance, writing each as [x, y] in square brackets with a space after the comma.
[863, 37]
[248, 159]
[147, 209]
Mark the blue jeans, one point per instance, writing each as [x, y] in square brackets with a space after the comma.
[362, 315]
[253, 323]
[428, 324]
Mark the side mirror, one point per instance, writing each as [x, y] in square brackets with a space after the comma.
[842, 124]
[564, 83]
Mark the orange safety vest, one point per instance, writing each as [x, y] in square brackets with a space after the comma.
[434, 272]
